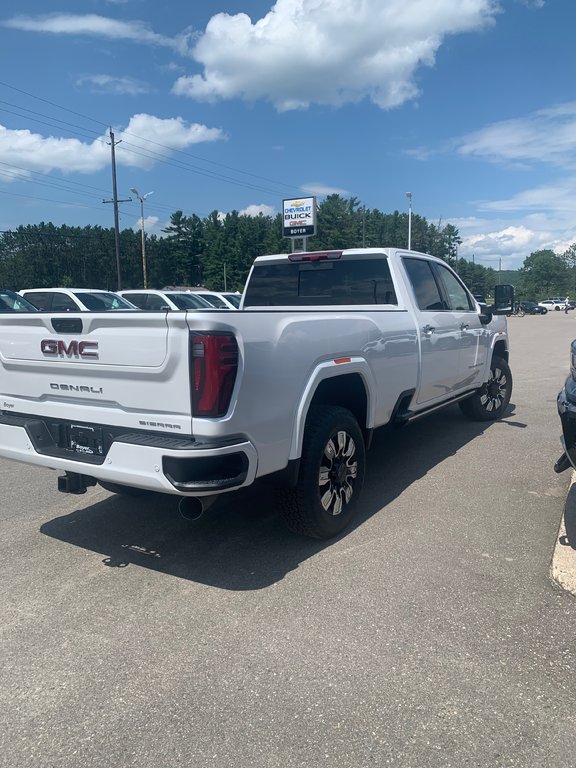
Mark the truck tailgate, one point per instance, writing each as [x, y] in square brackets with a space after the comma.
[99, 361]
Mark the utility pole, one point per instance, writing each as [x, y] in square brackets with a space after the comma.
[142, 198]
[409, 196]
[116, 201]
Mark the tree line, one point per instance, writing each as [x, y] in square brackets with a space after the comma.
[217, 251]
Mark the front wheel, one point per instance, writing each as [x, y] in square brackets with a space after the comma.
[331, 475]
[490, 401]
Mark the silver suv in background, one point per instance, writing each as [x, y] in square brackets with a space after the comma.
[153, 300]
[218, 299]
[75, 300]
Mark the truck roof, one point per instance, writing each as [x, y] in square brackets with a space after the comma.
[342, 252]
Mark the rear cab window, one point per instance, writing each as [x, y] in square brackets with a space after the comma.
[321, 283]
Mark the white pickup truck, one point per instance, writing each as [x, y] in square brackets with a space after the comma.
[326, 347]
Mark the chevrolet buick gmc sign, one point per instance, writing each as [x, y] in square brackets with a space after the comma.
[299, 217]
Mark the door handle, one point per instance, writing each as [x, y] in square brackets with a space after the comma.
[429, 329]
[463, 326]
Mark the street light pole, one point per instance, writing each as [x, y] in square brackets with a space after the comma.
[142, 198]
[409, 196]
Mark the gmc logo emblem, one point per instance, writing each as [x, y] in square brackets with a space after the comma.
[74, 348]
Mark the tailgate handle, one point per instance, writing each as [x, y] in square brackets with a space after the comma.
[67, 324]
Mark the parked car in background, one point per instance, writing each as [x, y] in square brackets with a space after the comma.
[152, 300]
[10, 301]
[557, 303]
[233, 298]
[75, 300]
[217, 299]
[532, 308]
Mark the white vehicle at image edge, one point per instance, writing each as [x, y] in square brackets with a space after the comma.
[557, 303]
[328, 347]
[152, 300]
[75, 300]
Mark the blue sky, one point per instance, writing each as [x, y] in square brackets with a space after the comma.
[236, 104]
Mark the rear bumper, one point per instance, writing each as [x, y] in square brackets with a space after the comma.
[148, 460]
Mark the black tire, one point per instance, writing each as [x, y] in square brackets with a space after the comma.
[331, 476]
[122, 490]
[490, 402]
[545, 311]
[557, 309]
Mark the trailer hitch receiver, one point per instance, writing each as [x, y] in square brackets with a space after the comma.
[73, 482]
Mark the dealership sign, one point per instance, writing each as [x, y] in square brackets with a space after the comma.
[299, 217]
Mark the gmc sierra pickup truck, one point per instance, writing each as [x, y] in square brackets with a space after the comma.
[326, 347]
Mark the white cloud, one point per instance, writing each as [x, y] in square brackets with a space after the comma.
[557, 197]
[489, 240]
[302, 51]
[545, 136]
[35, 152]
[257, 209]
[150, 225]
[93, 25]
[117, 86]
[173, 133]
[327, 51]
[321, 190]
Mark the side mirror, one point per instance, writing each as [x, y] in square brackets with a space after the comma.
[503, 300]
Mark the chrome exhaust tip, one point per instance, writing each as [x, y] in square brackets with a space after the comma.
[192, 508]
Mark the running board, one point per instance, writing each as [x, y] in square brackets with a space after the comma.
[407, 417]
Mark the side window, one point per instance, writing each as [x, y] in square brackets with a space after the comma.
[426, 290]
[63, 303]
[41, 300]
[152, 302]
[457, 296]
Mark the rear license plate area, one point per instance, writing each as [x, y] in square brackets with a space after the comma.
[85, 440]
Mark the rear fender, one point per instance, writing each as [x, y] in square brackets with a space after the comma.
[326, 370]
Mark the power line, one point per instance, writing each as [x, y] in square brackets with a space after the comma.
[150, 141]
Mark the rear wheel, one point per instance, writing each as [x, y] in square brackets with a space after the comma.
[490, 401]
[331, 475]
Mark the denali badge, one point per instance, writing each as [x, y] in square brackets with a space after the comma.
[74, 348]
[77, 388]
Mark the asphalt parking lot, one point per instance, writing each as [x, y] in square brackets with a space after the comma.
[434, 633]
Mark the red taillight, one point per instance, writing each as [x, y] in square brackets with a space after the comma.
[214, 363]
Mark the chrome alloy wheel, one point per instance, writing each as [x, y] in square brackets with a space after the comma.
[496, 390]
[338, 471]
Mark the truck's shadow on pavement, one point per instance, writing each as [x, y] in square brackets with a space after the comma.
[241, 542]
